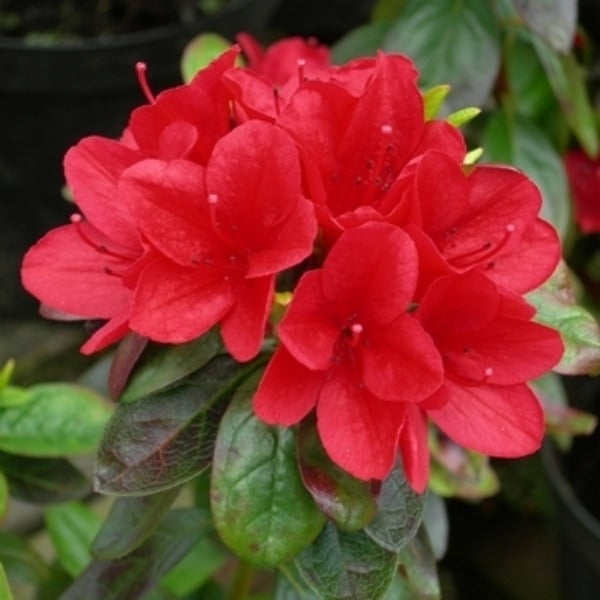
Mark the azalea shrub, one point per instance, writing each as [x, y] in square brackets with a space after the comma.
[317, 293]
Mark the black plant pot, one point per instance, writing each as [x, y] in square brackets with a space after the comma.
[52, 96]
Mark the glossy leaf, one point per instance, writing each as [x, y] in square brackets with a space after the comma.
[162, 365]
[133, 576]
[59, 420]
[557, 307]
[516, 140]
[5, 593]
[399, 513]
[167, 437]
[362, 41]
[342, 566]
[72, 528]
[130, 522]
[349, 502]
[198, 565]
[43, 480]
[261, 509]
[198, 53]
[451, 42]
[458, 472]
[417, 563]
[566, 79]
[21, 562]
[433, 98]
[553, 20]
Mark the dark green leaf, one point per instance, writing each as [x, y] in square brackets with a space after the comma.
[162, 365]
[43, 480]
[261, 509]
[130, 522]
[72, 528]
[557, 307]
[58, 420]
[399, 513]
[516, 140]
[451, 42]
[363, 41]
[166, 438]
[386, 10]
[553, 20]
[5, 593]
[194, 570]
[3, 495]
[347, 566]
[21, 562]
[419, 569]
[203, 49]
[290, 585]
[136, 574]
[348, 501]
[566, 78]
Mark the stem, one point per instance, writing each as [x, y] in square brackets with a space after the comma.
[242, 579]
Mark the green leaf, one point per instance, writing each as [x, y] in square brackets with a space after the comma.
[58, 420]
[130, 522]
[386, 10]
[164, 439]
[349, 502]
[552, 20]
[3, 495]
[566, 79]
[433, 98]
[161, 365]
[43, 480]
[5, 593]
[195, 569]
[419, 568]
[261, 509]
[6, 374]
[14, 396]
[455, 471]
[451, 42]
[462, 116]
[133, 576]
[399, 512]
[362, 41]
[290, 585]
[202, 50]
[435, 523]
[343, 566]
[516, 140]
[557, 307]
[72, 528]
[21, 562]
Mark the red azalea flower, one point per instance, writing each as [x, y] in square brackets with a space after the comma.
[222, 233]
[355, 147]
[584, 180]
[483, 217]
[490, 348]
[350, 348]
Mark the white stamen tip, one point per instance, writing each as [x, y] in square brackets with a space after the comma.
[76, 218]
[510, 228]
[356, 328]
[301, 62]
[387, 129]
[488, 372]
[213, 198]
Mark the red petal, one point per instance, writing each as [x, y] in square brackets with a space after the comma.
[173, 304]
[358, 431]
[400, 362]
[414, 449]
[243, 327]
[288, 391]
[440, 135]
[307, 330]
[371, 271]
[68, 274]
[108, 334]
[92, 169]
[584, 180]
[170, 205]
[504, 421]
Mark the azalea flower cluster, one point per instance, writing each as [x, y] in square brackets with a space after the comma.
[407, 267]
